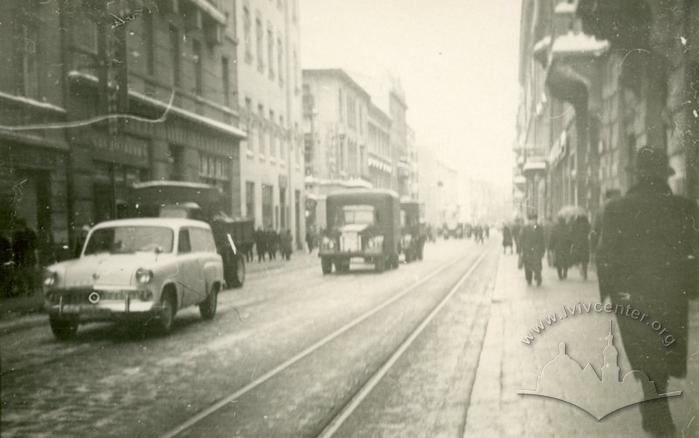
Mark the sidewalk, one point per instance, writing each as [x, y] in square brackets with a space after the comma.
[508, 365]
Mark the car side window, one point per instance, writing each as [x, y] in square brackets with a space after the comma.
[202, 240]
[184, 245]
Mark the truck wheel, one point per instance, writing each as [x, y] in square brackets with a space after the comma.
[238, 275]
[326, 265]
[379, 264]
[207, 308]
[63, 329]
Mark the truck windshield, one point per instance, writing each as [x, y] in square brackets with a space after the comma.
[125, 240]
[358, 214]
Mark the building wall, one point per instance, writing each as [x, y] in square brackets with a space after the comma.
[381, 165]
[270, 105]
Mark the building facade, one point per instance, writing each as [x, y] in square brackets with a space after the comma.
[269, 98]
[117, 93]
[380, 161]
[599, 80]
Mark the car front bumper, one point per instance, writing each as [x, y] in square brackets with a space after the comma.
[112, 304]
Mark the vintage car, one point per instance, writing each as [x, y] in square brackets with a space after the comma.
[361, 223]
[179, 199]
[141, 270]
[413, 233]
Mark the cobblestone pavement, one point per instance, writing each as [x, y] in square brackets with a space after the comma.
[111, 381]
[508, 365]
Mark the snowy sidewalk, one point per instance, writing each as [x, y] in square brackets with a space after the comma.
[508, 365]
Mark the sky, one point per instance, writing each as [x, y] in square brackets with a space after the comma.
[456, 59]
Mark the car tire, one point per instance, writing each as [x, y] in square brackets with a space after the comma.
[239, 273]
[63, 329]
[207, 308]
[326, 265]
[166, 316]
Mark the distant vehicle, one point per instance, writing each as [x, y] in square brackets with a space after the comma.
[413, 231]
[453, 229]
[177, 199]
[135, 270]
[361, 224]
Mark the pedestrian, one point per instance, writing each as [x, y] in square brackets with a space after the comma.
[531, 249]
[287, 242]
[559, 247]
[260, 247]
[516, 231]
[272, 238]
[24, 256]
[309, 239]
[597, 223]
[647, 259]
[548, 229]
[506, 239]
[580, 243]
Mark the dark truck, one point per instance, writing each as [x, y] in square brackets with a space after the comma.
[413, 232]
[361, 224]
[177, 199]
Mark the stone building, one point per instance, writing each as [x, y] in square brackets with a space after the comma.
[167, 68]
[270, 98]
[600, 79]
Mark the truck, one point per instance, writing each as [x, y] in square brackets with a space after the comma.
[361, 223]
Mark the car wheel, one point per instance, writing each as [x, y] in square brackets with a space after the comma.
[239, 273]
[326, 265]
[166, 315]
[207, 308]
[63, 329]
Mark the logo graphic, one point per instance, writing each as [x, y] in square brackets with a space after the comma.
[564, 379]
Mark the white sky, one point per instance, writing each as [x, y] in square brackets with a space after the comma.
[457, 61]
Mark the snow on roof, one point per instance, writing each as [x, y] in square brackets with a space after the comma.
[566, 7]
[32, 102]
[542, 44]
[579, 43]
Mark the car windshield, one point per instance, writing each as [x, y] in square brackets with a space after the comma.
[358, 214]
[129, 239]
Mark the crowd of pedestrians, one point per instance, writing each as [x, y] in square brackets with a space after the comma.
[270, 243]
[19, 260]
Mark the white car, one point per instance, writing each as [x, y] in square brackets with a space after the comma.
[135, 269]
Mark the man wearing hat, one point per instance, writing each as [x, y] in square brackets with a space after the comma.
[532, 247]
[647, 259]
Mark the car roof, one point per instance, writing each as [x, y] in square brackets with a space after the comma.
[153, 222]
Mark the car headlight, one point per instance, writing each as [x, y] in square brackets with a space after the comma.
[375, 242]
[144, 276]
[328, 242]
[50, 278]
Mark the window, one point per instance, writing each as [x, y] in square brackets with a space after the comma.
[226, 81]
[247, 31]
[260, 44]
[267, 205]
[85, 35]
[201, 240]
[148, 42]
[250, 199]
[183, 244]
[261, 131]
[176, 55]
[280, 61]
[270, 53]
[361, 120]
[248, 121]
[30, 67]
[198, 67]
[295, 73]
[282, 139]
[176, 157]
[351, 111]
[340, 104]
[272, 136]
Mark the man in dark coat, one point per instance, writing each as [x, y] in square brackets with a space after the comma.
[260, 244]
[647, 258]
[559, 246]
[506, 239]
[25, 256]
[286, 243]
[531, 249]
[580, 243]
